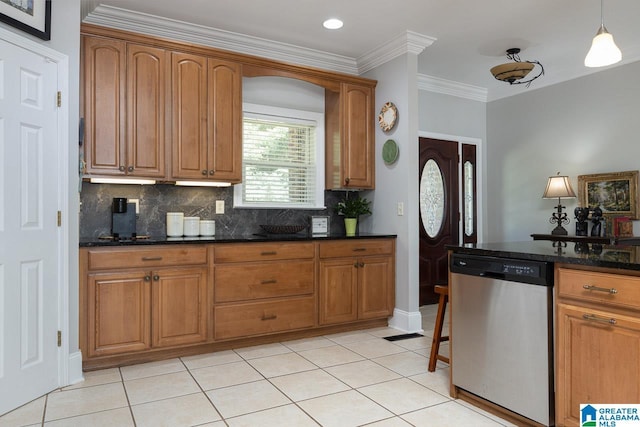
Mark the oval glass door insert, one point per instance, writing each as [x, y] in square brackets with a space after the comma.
[432, 198]
[467, 177]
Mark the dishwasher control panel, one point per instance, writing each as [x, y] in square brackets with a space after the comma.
[516, 270]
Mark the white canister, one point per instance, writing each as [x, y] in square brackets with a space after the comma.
[175, 224]
[207, 227]
[191, 226]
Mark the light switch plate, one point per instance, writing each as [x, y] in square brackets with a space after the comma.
[219, 206]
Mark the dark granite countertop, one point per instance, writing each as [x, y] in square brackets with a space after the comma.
[96, 242]
[619, 256]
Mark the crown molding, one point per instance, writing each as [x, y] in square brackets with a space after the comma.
[123, 19]
[449, 87]
[408, 42]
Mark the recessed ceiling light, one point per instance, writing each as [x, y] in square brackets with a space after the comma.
[332, 24]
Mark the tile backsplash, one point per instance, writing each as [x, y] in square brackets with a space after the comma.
[156, 200]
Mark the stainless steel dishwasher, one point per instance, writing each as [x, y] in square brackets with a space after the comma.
[502, 332]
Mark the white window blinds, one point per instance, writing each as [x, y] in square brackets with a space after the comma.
[279, 162]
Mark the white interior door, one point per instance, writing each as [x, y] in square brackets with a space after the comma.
[29, 233]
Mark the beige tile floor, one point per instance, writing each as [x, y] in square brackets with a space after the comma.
[348, 379]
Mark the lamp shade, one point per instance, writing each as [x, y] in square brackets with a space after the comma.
[603, 50]
[558, 186]
[512, 71]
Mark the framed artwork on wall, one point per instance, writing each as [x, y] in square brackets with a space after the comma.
[30, 16]
[615, 193]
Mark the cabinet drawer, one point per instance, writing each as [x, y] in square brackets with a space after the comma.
[263, 252]
[236, 282]
[604, 288]
[241, 320]
[108, 258]
[341, 248]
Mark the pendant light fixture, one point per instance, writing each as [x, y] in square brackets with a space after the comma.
[603, 50]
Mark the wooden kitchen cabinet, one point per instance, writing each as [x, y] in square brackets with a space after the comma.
[124, 98]
[598, 340]
[207, 118]
[142, 299]
[356, 280]
[350, 138]
[262, 288]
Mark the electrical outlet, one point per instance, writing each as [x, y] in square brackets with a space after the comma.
[219, 206]
[400, 208]
[137, 202]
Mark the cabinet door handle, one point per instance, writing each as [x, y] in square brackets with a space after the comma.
[156, 277]
[269, 282]
[204, 172]
[346, 180]
[355, 264]
[268, 253]
[152, 258]
[147, 278]
[212, 171]
[361, 264]
[121, 168]
[269, 316]
[130, 168]
[611, 291]
[359, 249]
[595, 318]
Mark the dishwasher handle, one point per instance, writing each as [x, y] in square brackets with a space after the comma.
[493, 275]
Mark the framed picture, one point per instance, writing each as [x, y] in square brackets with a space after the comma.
[31, 16]
[615, 193]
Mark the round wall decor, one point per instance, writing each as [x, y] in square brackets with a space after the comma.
[388, 116]
[390, 151]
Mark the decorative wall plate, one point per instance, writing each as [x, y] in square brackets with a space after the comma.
[390, 151]
[388, 116]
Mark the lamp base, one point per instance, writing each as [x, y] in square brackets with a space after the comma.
[559, 231]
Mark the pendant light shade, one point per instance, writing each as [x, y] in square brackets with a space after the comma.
[603, 50]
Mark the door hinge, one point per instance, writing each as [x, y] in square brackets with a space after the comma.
[59, 99]
[59, 218]
[59, 338]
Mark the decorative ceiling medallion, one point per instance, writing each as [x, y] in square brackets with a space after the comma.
[388, 116]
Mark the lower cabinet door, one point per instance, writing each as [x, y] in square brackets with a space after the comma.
[375, 293]
[598, 360]
[119, 313]
[179, 309]
[338, 291]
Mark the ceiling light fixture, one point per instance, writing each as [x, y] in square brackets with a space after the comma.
[603, 50]
[332, 24]
[513, 72]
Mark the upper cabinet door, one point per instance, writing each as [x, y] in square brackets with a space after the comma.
[225, 120]
[189, 116]
[350, 143]
[358, 140]
[104, 76]
[146, 106]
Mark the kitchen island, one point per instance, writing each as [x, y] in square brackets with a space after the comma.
[154, 298]
[596, 322]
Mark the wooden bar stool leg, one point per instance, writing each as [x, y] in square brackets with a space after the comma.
[437, 332]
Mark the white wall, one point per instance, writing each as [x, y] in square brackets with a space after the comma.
[397, 82]
[587, 125]
[65, 38]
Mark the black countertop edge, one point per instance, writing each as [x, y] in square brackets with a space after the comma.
[97, 242]
[622, 257]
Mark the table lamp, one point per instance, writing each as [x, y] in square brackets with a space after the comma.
[560, 187]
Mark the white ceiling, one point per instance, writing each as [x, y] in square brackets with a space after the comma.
[471, 36]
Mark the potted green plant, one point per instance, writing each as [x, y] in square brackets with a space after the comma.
[352, 206]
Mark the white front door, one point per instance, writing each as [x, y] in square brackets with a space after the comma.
[30, 260]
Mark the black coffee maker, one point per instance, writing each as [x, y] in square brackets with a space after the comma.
[123, 219]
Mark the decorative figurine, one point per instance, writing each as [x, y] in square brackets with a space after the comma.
[582, 214]
[596, 218]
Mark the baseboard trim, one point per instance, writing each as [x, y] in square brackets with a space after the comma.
[406, 321]
[75, 368]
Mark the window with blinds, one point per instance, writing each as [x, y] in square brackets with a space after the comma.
[280, 164]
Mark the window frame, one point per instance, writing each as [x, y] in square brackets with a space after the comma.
[293, 116]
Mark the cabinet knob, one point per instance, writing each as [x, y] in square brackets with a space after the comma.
[156, 277]
[355, 264]
[361, 264]
[204, 172]
[130, 168]
[346, 180]
[211, 172]
[147, 278]
[121, 168]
